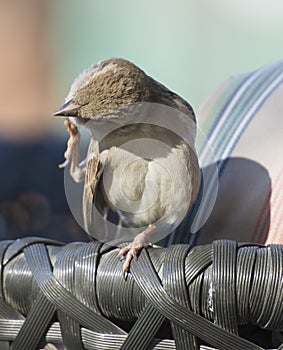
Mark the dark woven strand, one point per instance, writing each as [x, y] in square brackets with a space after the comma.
[178, 297]
[174, 283]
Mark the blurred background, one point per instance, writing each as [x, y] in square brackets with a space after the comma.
[191, 46]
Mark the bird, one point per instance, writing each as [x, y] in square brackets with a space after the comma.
[155, 178]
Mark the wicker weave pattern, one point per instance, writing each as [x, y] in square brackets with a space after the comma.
[175, 298]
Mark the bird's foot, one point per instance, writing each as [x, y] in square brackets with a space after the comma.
[71, 127]
[72, 153]
[72, 144]
[132, 249]
[131, 252]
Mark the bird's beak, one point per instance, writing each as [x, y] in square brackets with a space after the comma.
[69, 109]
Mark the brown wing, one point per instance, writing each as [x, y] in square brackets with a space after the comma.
[92, 200]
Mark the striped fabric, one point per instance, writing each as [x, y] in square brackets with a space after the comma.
[243, 123]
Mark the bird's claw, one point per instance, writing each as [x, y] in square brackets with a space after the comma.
[128, 253]
[72, 152]
[132, 249]
[71, 127]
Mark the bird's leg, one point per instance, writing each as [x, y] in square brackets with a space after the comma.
[131, 250]
[72, 153]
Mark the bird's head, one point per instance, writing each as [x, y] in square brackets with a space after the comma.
[104, 88]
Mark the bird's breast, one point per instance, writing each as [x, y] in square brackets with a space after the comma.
[144, 189]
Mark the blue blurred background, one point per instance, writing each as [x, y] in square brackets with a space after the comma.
[191, 46]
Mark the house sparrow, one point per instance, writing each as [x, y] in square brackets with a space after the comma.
[127, 170]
